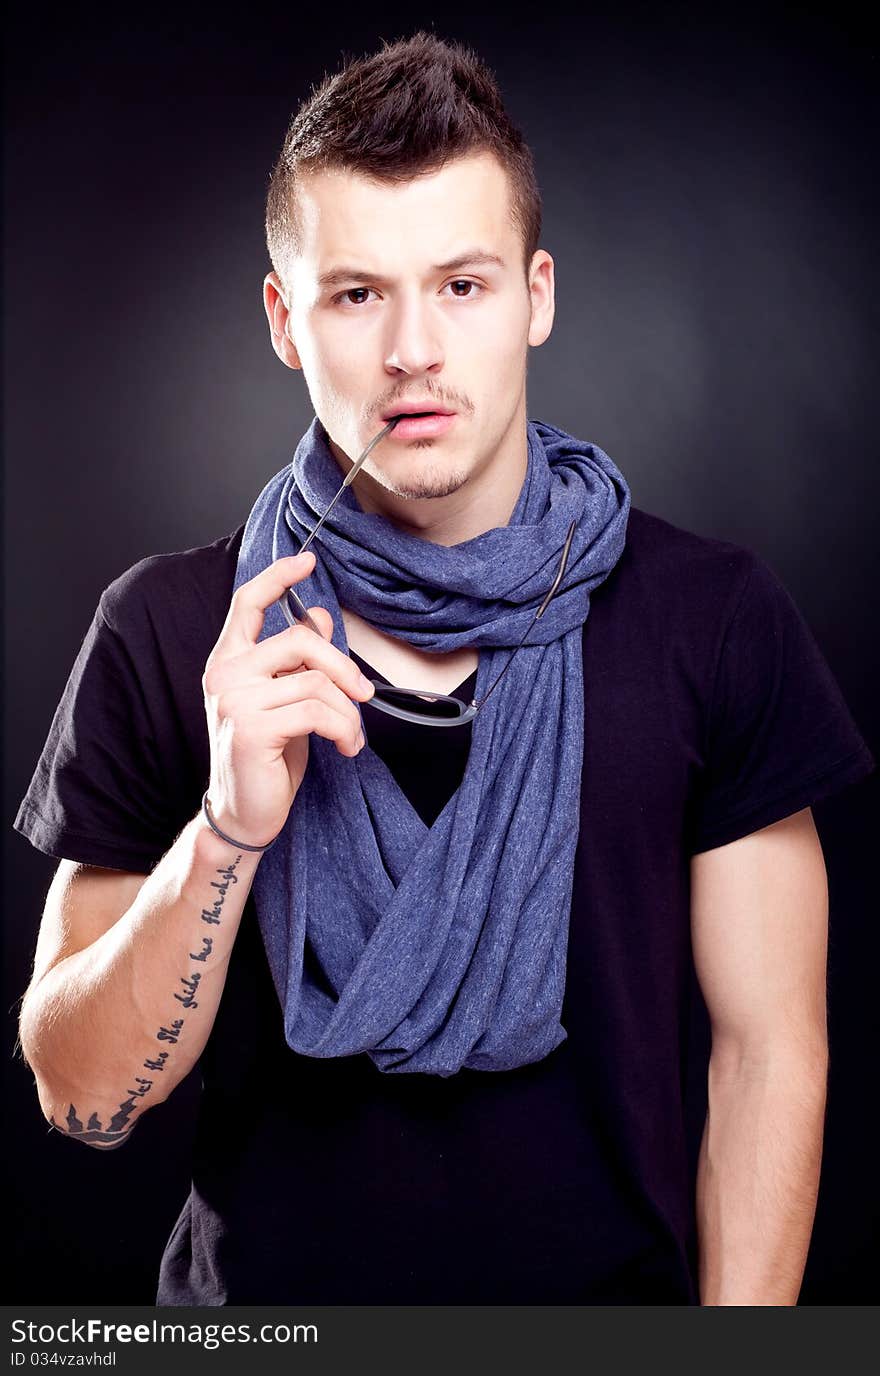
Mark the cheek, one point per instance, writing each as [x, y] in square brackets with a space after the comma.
[331, 360]
[349, 352]
[504, 356]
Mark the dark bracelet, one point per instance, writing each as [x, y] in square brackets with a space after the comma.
[239, 845]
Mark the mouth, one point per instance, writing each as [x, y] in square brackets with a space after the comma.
[416, 410]
[414, 425]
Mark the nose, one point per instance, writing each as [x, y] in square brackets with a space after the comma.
[414, 344]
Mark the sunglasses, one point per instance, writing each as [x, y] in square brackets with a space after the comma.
[414, 704]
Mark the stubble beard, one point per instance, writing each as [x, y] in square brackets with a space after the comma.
[431, 480]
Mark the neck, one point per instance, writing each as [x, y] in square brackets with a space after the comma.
[484, 501]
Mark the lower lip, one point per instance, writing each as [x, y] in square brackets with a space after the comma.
[419, 427]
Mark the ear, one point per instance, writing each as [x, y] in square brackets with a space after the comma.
[280, 323]
[543, 296]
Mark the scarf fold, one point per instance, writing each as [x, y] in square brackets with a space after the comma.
[438, 948]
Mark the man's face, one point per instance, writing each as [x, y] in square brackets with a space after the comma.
[396, 326]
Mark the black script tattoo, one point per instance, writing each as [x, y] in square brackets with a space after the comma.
[191, 985]
[207, 948]
[119, 1128]
[212, 915]
[170, 1034]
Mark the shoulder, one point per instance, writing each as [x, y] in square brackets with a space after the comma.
[685, 571]
[186, 589]
[659, 547]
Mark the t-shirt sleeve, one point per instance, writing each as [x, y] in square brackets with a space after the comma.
[780, 735]
[97, 794]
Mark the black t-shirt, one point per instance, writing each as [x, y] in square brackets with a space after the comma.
[709, 712]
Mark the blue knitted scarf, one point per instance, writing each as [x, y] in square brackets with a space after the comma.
[437, 948]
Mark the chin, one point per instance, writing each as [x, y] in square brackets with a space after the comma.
[431, 480]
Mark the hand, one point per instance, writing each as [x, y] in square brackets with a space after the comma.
[263, 699]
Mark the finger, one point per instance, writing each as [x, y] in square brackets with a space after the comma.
[324, 621]
[283, 724]
[244, 620]
[301, 648]
[271, 693]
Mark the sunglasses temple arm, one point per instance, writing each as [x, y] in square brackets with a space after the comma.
[301, 608]
[349, 478]
[540, 612]
[529, 629]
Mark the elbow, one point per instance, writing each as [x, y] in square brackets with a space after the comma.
[801, 1059]
[91, 1134]
[67, 1119]
[69, 1108]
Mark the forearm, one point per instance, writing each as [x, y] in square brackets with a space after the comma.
[758, 1177]
[112, 1029]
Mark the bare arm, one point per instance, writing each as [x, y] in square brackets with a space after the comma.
[111, 1029]
[759, 919]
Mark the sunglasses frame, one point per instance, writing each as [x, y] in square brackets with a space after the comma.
[296, 613]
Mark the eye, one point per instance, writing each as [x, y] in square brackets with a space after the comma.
[464, 282]
[342, 294]
[344, 297]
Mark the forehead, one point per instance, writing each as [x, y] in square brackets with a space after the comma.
[347, 217]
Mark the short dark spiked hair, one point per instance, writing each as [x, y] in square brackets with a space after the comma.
[404, 111]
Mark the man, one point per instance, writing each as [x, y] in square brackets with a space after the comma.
[439, 979]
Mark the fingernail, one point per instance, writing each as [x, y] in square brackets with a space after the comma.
[366, 685]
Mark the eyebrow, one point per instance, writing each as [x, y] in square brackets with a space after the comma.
[475, 257]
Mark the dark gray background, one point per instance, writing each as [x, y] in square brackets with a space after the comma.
[710, 204]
